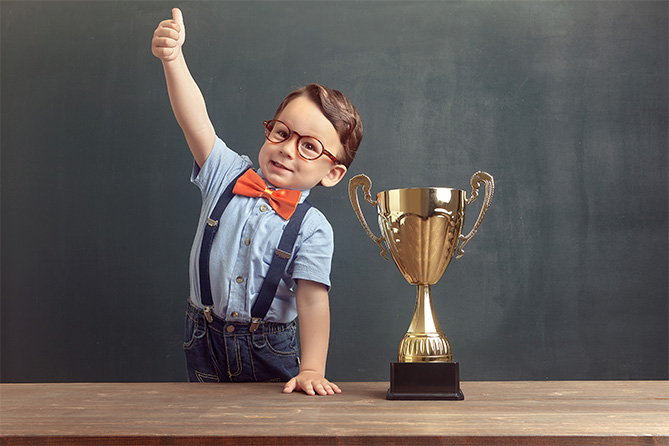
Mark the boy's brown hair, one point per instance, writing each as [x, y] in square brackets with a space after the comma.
[340, 112]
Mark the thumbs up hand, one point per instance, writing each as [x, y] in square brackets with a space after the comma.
[169, 37]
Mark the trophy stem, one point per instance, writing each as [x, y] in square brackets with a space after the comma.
[424, 341]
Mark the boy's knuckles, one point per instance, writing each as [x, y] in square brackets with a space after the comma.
[164, 52]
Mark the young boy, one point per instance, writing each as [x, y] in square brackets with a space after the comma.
[311, 140]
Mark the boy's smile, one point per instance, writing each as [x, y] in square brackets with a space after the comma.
[279, 166]
[283, 167]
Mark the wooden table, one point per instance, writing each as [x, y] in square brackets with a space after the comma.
[497, 413]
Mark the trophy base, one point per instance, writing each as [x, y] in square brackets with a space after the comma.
[424, 381]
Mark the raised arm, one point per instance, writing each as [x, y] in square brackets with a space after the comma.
[186, 98]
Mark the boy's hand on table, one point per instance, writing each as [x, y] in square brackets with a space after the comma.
[311, 383]
[169, 37]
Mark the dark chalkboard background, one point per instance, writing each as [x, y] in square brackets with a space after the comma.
[564, 103]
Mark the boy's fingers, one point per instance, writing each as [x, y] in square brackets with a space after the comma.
[168, 24]
[167, 32]
[320, 389]
[330, 388]
[306, 387]
[164, 42]
[169, 42]
[178, 17]
[290, 386]
[315, 387]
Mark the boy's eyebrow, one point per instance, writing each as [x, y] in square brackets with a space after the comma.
[292, 128]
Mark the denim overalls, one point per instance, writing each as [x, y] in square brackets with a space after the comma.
[217, 350]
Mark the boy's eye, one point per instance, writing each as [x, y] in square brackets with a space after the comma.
[280, 132]
[310, 148]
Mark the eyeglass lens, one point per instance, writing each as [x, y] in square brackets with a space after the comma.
[309, 147]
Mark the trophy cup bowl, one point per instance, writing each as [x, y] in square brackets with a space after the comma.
[422, 230]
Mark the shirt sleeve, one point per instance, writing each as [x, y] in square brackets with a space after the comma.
[313, 256]
[220, 167]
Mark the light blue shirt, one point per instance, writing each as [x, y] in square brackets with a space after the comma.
[248, 234]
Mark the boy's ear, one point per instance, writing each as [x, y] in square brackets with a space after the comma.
[334, 176]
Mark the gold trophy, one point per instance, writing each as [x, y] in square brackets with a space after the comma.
[421, 227]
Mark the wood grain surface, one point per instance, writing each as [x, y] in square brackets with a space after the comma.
[500, 413]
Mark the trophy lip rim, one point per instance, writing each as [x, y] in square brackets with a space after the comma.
[422, 188]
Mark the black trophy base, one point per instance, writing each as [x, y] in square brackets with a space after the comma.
[424, 381]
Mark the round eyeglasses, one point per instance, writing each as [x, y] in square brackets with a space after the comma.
[308, 147]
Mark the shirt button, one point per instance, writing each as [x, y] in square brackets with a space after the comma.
[230, 328]
[234, 314]
[239, 279]
[247, 242]
[263, 208]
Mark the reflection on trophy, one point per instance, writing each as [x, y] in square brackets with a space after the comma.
[421, 227]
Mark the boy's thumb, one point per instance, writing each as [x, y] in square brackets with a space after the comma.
[177, 16]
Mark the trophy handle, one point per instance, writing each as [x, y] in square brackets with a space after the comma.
[477, 179]
[366, 183]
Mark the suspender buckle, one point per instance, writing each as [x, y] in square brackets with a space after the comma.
[211, 222]
[282, 254]
[207, 314]
[255, 323]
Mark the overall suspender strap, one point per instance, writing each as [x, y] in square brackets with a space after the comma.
[277, 266]
[276, 269]
[210, 230]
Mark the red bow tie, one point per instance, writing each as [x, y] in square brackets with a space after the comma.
[283, 201]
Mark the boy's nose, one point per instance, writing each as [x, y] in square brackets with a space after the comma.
[289, 147]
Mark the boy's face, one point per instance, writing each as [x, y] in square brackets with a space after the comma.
[284, 168]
